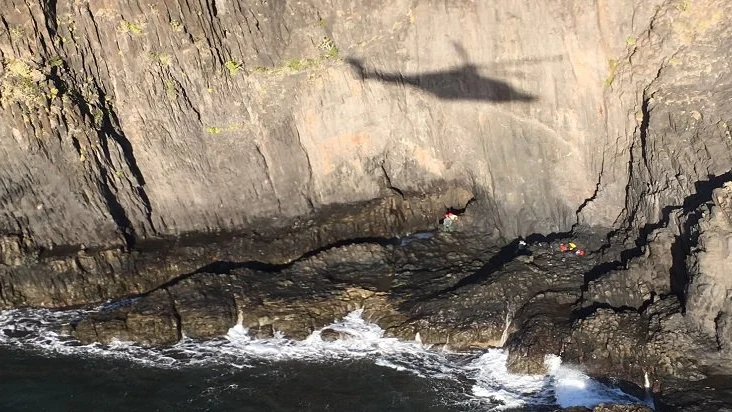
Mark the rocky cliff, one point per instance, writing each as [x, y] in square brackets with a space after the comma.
[133, 122]
[143, 143]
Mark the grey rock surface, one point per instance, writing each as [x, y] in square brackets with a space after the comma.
[266, 162]
[124, 123]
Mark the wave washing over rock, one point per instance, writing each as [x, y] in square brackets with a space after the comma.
[493, 386]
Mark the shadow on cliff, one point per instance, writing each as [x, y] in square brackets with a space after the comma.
[464, 82]
[682, 245]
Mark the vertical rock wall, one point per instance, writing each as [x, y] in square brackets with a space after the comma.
[127, 121]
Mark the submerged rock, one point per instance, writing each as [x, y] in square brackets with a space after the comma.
[330, 335]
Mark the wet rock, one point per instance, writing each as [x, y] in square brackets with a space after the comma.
[655, 344]
[205, 305]
[75, 276]
[610, 343]
[330, 335]
[294, 301]
[675, 348]
[313, 292]
[478, 309]
[150, 321]
[367, 264]
[644, 277]
[540, 328]
[685, 330]
[711, 394]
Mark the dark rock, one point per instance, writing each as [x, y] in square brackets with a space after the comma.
[477, 310]
[94, 276]
[129, 170]
[540, 328]
[684, 331]
[644, 277]
[708, 303]
[330, 335]
[610, 343]
[205, 305]
[150, 321]
[711, 394]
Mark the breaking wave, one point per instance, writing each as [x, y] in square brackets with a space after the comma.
[492, 388]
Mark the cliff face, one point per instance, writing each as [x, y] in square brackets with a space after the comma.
[131, 121]
[143, 144]
[127, 123]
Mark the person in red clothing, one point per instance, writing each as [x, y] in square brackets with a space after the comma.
[571, 247]
[448, 219]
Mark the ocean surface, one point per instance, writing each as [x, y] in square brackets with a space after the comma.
[43, 370]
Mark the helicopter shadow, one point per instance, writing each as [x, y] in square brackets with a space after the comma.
[464, 82]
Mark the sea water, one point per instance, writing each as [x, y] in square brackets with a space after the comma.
[43, 370]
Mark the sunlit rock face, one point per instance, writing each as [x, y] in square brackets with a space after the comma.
[121, 123]
[186, 152]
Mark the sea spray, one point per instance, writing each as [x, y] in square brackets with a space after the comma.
[504, 335]
[572, 387]
[649, 391]
[483, 371]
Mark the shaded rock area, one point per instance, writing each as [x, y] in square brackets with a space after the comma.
[151, 321]
[446, 286]
[541, 327]
[458, 289]
[490, 303]
[711, 394]
[661, 311]
[57, 279]
[310, 293]
[452, 288]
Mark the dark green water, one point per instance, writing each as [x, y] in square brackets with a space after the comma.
[35, 382]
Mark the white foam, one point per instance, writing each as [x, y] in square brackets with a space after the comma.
[493, 381]
[574, 388]
[492, 386]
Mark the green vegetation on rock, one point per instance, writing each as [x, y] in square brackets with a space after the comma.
[612, 69]
[213, 130]
[129, 27]
[328, 51]
[232, 66]
[21, 83]
[176, 25]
